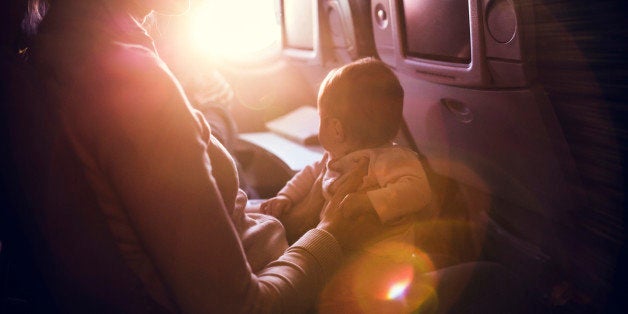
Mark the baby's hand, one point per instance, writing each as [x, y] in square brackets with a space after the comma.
[356, 204]
[275, 206]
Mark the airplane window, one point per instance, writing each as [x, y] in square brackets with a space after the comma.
[235, 28]
[299, 32]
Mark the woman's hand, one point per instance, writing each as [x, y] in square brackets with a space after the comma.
[356, 204]
[276, 206]
[350, 230]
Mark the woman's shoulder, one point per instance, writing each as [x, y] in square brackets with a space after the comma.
[134, 75]
[131, 64]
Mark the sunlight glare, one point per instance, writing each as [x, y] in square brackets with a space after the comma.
[234, 28]
[397, 289]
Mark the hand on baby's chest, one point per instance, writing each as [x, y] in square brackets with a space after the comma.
[347, 176]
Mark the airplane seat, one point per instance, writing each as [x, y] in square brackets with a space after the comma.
[350, 33]
[57, 229]
[501, 149]
[454, 235]
[467, 101]
[365, 45]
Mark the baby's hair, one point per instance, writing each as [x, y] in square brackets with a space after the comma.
[367, 98]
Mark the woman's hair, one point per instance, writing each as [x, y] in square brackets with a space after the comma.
[35, 13]
[367, 98]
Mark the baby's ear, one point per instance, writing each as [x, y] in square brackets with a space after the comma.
[339, 131]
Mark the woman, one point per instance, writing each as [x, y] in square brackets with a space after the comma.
[132, 151]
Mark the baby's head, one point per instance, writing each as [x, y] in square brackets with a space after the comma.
[362, 103]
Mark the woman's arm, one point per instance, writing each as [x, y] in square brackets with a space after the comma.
[153, 150]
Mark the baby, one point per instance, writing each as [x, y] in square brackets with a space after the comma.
[360, 109]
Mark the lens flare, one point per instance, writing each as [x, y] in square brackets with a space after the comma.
[397, 289]
[397, 277]
[386, 278]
